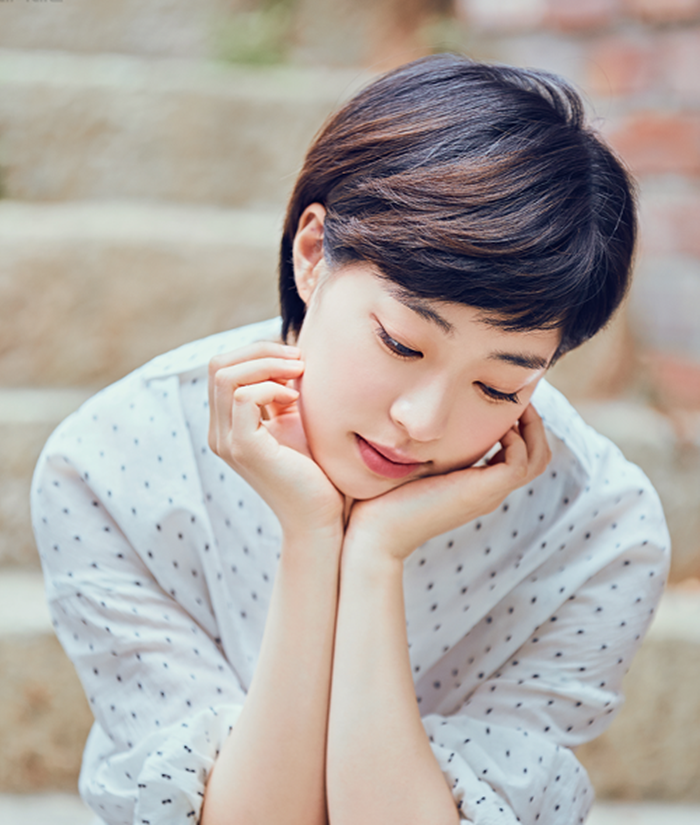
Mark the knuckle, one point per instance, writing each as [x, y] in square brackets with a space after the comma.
[242, 394]
[229, 359]
[521, 471]
[215, 365]
[221, 380]
[236, 452]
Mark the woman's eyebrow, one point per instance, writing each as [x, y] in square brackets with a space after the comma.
[421, 307]
[526, 360]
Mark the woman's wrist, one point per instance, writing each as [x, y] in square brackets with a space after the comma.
[314, 542]
[369, 558]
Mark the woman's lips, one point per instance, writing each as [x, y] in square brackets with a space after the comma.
[381, 464]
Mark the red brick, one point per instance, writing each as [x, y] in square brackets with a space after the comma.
[504, 15]
[680, 61]
[653, 142]
[670, 223]
[676, 380]
[663, 11]
[576, 15]
[621, 65]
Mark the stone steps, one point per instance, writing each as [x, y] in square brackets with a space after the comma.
[89, 291]
[168, 27]
[118, 126]
[44, 716]
[44, 809]
[648, 439]
[649, 751]
[642, 813]
[68, 809]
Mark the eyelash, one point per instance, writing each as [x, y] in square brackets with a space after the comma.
[395, 347]
[495, 395]
[400, 351]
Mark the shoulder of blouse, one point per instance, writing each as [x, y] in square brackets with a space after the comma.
[587, 446]
[196, 355]
[184, 361]
[596, 466]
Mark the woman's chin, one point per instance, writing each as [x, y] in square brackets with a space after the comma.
[365, 486]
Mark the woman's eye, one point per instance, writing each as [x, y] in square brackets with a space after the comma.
[496, 395]
[396, 347]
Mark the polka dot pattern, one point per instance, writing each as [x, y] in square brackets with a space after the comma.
[160, 560]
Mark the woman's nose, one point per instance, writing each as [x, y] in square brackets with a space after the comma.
[422, 412]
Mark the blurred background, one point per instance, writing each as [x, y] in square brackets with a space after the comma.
[146, 151]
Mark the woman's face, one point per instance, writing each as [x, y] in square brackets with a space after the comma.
[396, 387]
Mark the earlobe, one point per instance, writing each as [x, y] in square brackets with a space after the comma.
[307, 250]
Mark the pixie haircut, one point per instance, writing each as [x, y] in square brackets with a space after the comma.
[473, 184]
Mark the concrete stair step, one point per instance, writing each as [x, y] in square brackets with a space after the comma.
[168, 27]
[643, 813]
[89, 291]
[647, 438]
[27, 418]
[69, 809]
[44, 809]
[651, 749]
[649, 752]
[115, 126]
[44, 716]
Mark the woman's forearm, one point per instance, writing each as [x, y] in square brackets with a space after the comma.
[380, 766]
[272, 766]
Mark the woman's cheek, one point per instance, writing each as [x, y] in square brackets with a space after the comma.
[483, 431]
[334, 383]
[357, 370]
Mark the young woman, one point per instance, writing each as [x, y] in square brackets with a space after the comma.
[371, 568]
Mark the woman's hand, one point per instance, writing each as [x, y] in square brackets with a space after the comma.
[255, 427]
[395, 523]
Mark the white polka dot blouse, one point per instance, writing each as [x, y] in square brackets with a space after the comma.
[159, 562]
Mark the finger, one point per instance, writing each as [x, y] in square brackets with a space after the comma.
[251, 352]
[246, 414]
[534, 435]
[249, 395]
[266, 392]
[226, 380]
[220, 404]
[498, 457]
[515, 455]
[264, 369]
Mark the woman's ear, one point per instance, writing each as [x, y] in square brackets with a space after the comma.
[307, 250]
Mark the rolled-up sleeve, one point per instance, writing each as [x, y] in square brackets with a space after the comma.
[163, 693]
[507, 751]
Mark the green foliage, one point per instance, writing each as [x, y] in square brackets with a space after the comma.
[259, 36]
[444, 33]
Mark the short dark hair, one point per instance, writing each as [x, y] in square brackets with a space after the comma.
[475, 184]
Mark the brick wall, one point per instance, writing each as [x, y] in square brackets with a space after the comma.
[638, 64]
